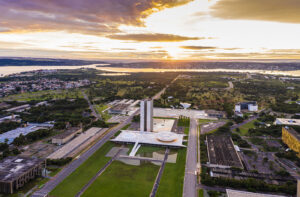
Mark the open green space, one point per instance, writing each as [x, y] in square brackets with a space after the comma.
[120, 179]
[203, 121]
[171, 183]
[100, 108]
[44, 95]
[244, 129]
[75, 181]
[201, 193]
[149, 149]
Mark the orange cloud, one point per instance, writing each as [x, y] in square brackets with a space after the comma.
[152, 37]
[286, 11]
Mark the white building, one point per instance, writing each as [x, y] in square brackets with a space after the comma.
[287, 121]
[146, 111]
[237, 193]
[249, 106]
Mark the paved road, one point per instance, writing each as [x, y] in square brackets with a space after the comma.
[50, 185]
[245, 122]
[230, 84]
[158, 95]
[91, 106]
[160, 172]
[98, 173]
[190, 179]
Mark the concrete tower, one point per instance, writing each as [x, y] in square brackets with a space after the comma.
[146, 111]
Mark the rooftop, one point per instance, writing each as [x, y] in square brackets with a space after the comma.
[160, 139]
[293, 132]
[163, 125]
[247, 103]
[67, 133]
[31, 127]
[120, 107]
[221, 151]
[175, 113]
[287, 121]
[13, 167]
[236, 193]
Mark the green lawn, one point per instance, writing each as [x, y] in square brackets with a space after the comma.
[124, 180]
[75, 181]
[149, 149]
[201, 193]
[171, 183]
[44, 95]
[244, 129]
[203, 121]
[105, 114]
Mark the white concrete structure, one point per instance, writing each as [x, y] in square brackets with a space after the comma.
[9, 118]
[237, 108]
[287, 121]
[175, 113]
[146, 111]
[237, 193]
[169, 139]
[163, 125]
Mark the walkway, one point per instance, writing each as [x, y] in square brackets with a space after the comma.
[158, 177]
[98, 174]
[91, 106]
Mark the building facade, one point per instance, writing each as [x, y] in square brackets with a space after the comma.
[249, 106]
[146, 113]
[15, 172]
[291, 138]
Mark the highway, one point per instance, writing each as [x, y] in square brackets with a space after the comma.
[190, 178]
[50, 185]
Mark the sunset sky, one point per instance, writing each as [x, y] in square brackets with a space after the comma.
[151, 29]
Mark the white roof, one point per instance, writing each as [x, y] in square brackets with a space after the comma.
[287, 121]
[161, 138]
[236, 193]
[175, 113]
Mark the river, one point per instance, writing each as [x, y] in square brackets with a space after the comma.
[7, 70]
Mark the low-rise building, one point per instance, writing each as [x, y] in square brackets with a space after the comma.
[287, 121]
[246, 106]
[238, 193]
[15, 172]
[120, 108]
[66, 136]
[19, 108]
[291, 138]
[215, 114]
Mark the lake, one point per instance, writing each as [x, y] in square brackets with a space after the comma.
[6, 70]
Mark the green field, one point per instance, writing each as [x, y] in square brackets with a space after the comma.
[105, 114]
[124, 180]
[44, 95]
[244, 129]
[171, 183]
[201, 193]
[73, 183]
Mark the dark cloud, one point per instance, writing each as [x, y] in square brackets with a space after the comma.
[198, 47]
[152, 37]
[83, 16]
[287, 11]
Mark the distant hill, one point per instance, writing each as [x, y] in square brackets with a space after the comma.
[282, 66]
[44, 62]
